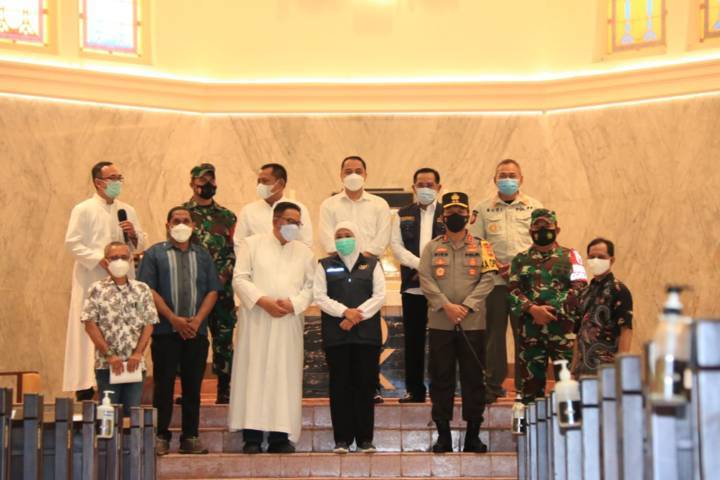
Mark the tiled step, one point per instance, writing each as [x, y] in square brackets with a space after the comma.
[391, 415]
[219, 440]
[329, 465]
[398, 427]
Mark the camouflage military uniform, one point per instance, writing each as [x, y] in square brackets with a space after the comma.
[214, 228]
[554, 278]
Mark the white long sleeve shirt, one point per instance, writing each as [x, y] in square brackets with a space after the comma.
[370, 213]
[256, 217]
[402, 254]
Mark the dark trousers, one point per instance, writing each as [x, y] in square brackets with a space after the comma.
[498, 310]
[169, 352]
[448, 348]
[256, 436]
[353, 375]
[415, 311]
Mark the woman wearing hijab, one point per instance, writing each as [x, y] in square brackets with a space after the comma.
[349, 288]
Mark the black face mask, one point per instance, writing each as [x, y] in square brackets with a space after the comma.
[207, 191]
[544, 236]
[455, 222]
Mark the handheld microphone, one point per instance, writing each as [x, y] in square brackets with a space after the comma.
[122, 217]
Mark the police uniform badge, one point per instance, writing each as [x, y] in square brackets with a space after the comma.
[489, 263]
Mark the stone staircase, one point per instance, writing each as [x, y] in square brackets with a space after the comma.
[403, 436]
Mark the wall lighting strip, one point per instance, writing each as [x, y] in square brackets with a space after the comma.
[419, 113]
[373, 80]
[628, 103]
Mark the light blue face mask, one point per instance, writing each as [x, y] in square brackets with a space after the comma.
[113, 189]
[290, 232]
[426, 195]
[345, 246]
[508, 186]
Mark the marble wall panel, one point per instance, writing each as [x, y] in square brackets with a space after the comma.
[645, 176]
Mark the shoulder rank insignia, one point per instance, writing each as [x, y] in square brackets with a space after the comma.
[489, 263]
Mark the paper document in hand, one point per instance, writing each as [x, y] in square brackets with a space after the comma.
[125, 376]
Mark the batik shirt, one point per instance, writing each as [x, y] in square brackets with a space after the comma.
[121, 312]
[605, 307]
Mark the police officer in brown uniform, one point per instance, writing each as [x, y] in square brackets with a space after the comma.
[456, 275]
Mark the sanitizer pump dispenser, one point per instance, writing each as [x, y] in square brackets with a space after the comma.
[106, 415]
[567, 393]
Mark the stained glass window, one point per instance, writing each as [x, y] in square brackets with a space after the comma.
[111, 26]
[636, 24]
[24, 21]
[710, 18]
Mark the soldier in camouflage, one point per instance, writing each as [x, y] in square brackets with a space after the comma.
[214, 229]
[545, 283]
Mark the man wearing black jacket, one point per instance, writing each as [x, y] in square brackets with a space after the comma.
[413, 227]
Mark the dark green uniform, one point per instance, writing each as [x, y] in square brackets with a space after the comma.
[552, 278]
[214, 228]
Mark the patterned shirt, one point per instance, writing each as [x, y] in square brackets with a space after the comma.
[554, 278]
[606, 307]
[121, 312]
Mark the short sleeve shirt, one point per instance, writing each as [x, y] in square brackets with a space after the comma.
[121, 312]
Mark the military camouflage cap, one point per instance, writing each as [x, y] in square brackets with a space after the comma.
[452, 199]
[202, 169]
[539, 213]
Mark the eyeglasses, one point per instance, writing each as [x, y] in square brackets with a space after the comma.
[292, 221]
[114, 178]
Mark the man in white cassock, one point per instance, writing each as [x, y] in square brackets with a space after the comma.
[94, 223]
[273, 278]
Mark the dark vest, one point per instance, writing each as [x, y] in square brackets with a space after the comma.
[351, 289]
[410, 232]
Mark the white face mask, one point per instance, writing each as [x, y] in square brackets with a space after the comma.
[290, 232]
[426, 195]
[264, 191]
[353, 182]
[598, 266]
[119, 268]
[181, 233]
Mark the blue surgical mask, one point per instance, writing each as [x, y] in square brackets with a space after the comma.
[290, 232]
[508, 186]
[345, 246]
[113, 189]
[426, 195]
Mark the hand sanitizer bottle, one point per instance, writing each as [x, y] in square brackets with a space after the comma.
[567, 393]
[106, 415]
[669, 386]
[518, 417]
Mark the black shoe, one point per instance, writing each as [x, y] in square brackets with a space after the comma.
[378, 398]
[178, 401]
[341, 447]
[412, 399]
[473, 444]
[252, 448]
[87, 394]
[281, 447]
[366, 447]
[223, 398]
[444, 441]
[490, 398]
